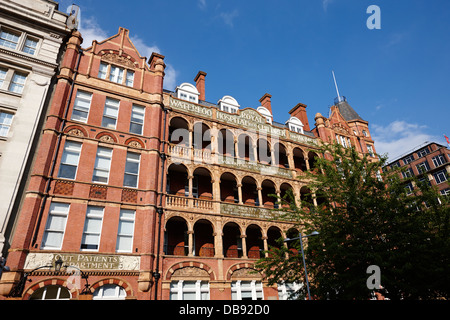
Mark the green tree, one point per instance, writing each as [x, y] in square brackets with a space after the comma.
[365, 217]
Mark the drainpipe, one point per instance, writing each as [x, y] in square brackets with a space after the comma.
[159, 209]
[55, 155]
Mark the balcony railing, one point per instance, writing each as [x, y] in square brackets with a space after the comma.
[188, 203]
[184, 153]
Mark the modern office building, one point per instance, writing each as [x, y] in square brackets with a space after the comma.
[32, 34]
[152, 194]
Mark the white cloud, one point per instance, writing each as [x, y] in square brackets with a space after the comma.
[202, 4]
[228, 17]
[325, 4]
[90, 30]
[399, 137]
[170, 78]
[144, 49]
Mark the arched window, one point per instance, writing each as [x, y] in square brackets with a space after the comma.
[52, 292]
[110, 292]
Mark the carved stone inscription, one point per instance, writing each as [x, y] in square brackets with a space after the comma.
[84, 261]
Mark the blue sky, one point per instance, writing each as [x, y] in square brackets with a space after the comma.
[396, 77]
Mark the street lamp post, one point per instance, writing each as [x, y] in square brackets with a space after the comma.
[314, 233]
[18, 288]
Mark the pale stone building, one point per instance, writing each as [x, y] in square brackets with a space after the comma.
[31, 36]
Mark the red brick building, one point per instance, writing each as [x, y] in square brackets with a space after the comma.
[155, 194]
[92, 194]
[430, 162]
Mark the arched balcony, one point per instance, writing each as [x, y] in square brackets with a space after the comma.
[250, 192]
[299, 160]
[245, 147]
[232, 241]
[228, 188]
[176, 237]
[225, 143]
[264, 152]
[203, 239]
[280, 156]
[254, 242]
[268, 194]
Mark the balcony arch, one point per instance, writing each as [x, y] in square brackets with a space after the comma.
[203, 238]
[201, 136]
[250, 194]
[280, 155]
[306, 196]
[293, 245]
[225, 143]
[245, 147]
[254, 241]
[228, 188]
[176, 237]
[312, 159]
[179, 131]
[202, 184]
[285, 188]
[299, 160]
[264, 152]
[177, 180]
[273, 236]
[232, 240]
[268, 190]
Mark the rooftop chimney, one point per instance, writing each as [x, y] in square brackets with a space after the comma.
[265, 102]
[200, 84]
[299, 111]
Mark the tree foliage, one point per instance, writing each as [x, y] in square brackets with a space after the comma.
[366, 217]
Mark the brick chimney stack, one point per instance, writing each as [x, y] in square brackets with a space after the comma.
[200, 84]
[265, 102]
[299, 111]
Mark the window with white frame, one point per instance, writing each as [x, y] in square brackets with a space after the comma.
[116, 74]
[295, 124]
[131, 175]
[110, 113]
[189, 290]
[12, 80]
[30, 45]
[69, 160]
[56, 226]
[5, 123]
[126, 231]
[438, 160]
[9, 39]
[369, 149]
[3, 73]
[81, 106]
[52, 292]
[18, 40]
[440, 176]
[423, 152]
[408, 173]
[246, 290]
[92, 228]
[408, 159]
[187, 91]
[17, 82]
[289, 291]
[423, 167]
[137, 119]
[445, 192]
[102, 165]
[109, 292]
